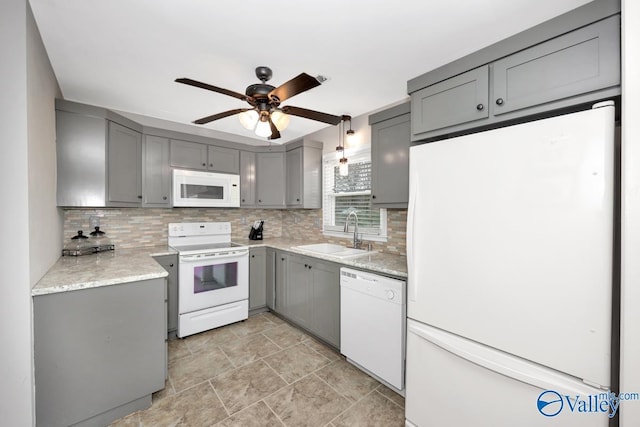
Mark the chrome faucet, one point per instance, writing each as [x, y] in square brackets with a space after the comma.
[356, 240]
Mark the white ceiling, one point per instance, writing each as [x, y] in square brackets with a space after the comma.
[126, 54]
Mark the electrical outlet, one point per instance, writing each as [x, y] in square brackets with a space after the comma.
[243, 220]
[316, 222]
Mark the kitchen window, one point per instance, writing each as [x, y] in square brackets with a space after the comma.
[343, 194]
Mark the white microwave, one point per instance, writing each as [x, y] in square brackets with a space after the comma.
[205, 189]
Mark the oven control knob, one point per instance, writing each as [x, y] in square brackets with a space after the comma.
[391, 294]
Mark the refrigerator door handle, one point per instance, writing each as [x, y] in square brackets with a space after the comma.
[502, 363]
[413, 193]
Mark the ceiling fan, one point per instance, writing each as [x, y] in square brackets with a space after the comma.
[266, 117]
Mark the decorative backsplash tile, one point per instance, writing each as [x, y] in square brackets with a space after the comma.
[137, 227]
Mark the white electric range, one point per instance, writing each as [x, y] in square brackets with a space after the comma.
[213, 276]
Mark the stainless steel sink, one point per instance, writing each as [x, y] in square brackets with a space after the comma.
[334, 250]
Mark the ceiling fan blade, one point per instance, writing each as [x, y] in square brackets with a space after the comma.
[275, 133]
[313, 115]
[201, 85]
[219, 116]
[296, 85]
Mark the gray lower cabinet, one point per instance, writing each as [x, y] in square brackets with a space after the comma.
[257, 278]
[312, 296]
[270, 278]
[247, 179]
[577, 67]
[304, 176]
[156, 172]
[270, 180]
[99, 161]
[390, 142]
[281, 274]
[170, 263]
[99, 353]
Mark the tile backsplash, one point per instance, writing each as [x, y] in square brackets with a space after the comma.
[137, 227]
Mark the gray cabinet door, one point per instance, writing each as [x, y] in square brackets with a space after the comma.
[581, 61]
[294, 177]
[188, 155]
[325, 307]
[170, 263]
[390, 142]
[257, 278]
[270, 186]
[156, 172]
[280, 285]
[299, 291]
[457, 100]
[247, 178]
[98, 349]
[124, 165]
[223, 160]
[270, 271]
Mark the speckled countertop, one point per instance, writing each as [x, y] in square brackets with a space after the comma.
[394, 265]
[71, 273]
[129, 265]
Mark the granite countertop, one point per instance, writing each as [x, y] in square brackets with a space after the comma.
[71, 273]
[394, 265]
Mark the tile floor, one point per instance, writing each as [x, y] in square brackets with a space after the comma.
[264, 372]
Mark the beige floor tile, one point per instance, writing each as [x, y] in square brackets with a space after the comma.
[258, 415]
[198, 406]
[191, 370]
[285, 336]
[253, 325]
[390, 394]
[178, 348]
[296, 362]
[308, 402]
[249, 349]
[323, 349]
[166, 391]
[372, 411]
[348, 380]
[208, 340]
[246, 385]
[272, 317]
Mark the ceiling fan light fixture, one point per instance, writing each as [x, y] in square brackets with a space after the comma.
[263, 129]
[248, 119]
[280, 119]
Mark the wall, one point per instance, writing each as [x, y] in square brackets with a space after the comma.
[16, 404]
[45, 219]
[630, 274]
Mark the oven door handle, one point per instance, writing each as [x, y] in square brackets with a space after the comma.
[195, 258]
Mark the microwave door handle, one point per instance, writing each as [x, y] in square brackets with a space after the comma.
[188, 258]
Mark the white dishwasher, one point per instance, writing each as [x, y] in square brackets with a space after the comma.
[372, 324]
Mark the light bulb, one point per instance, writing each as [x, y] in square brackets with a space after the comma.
[280, 119]
[343, 169]
[263, 129]
[248, 119]
[339, 151]
[350, 136]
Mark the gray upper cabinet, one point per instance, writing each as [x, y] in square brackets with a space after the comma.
[304, 176]
[571, 60]
[247, 179]
[156, 172]
[224, 160]
[582, 61]
[99, 161]
[188, 155]
[257, 278]
[270, 184]
[194, 155]
[390, 142]
[460, 99]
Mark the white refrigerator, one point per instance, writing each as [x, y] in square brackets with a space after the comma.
[510, 253]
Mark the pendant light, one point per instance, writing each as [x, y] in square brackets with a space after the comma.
[343, 168]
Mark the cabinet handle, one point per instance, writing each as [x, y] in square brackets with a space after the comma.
[309, 267]
[499, 101]
[480, 107]
[259, 201]
[164, 197]
[373, 196]
[204, 164]
[210, 164]
[242, 200]
[253, 256]
[297, 200]
[282, 259]
[139, 197]
[170, 265]
[305, 266]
